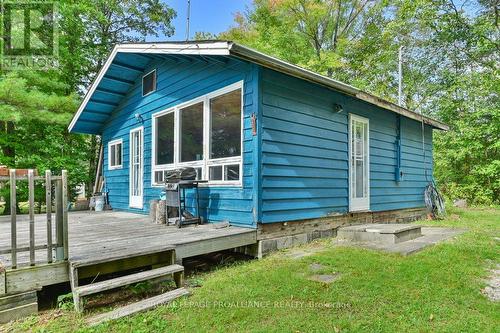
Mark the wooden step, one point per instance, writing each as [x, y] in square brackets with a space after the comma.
[140, 306]
[126, 280]
[17, 306]
[106, 257]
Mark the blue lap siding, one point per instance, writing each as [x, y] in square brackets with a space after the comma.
[305, 152]
[182, 79]
[296, 164]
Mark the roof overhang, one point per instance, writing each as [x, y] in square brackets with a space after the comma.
[227, 48]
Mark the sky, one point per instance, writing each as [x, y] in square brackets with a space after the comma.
[212, 16]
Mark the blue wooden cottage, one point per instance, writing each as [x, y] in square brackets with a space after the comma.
[277, 143]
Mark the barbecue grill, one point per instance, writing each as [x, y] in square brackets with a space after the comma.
[176, 183]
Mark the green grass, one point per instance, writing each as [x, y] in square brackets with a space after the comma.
[438, 289]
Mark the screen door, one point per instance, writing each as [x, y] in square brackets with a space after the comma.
[136, 167]
[359, 164]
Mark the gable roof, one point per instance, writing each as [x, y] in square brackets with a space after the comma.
[118, 74]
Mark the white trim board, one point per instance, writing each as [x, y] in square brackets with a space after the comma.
[111, 143]
[359, 204]
[140, 199]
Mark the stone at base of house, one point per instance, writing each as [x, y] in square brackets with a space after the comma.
[276, 236]
[18, 306]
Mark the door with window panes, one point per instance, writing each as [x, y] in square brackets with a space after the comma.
[359, 163]
[136, 168]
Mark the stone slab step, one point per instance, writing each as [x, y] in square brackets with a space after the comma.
[140, 306]
[126, 280]
[383, 233]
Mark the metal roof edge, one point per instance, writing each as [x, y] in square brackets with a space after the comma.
[299, 72]
[249, 54]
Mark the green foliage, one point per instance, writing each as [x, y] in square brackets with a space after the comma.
[92, 27]
[36, 106]
[22, 102]
[435, 290]
[65, 302]
[450, 68]
[141, 287]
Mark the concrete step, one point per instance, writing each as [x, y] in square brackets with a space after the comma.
[140, 306]
[380, 233]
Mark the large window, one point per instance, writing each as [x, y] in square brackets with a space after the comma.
[225, 133]
[205, 134]
[191, 133]
[115, 154]
[165, 139]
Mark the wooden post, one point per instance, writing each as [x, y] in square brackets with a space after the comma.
[31, 209]
[64, 203]
[59, 222]
[3, 288]
[48, 205]
[13, 229]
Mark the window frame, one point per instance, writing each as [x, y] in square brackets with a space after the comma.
[155, 82]
[206, 162]
[114, 143]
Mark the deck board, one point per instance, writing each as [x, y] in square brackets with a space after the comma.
[112, 233]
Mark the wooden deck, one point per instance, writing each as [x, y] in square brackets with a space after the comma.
[110, 234]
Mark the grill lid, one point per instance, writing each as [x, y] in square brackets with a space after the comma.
[174, 176]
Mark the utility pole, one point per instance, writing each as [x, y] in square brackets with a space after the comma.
[400, 77]
[188, 14]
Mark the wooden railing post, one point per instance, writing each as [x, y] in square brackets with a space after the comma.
[48, 205]
[64, 202]
[31, 210]
[13, 229]
[59, 221]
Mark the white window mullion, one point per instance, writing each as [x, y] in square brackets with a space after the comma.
[115, 154]
[177, 137]
[206, 136]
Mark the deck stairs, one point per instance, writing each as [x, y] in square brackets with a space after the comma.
[80, 292]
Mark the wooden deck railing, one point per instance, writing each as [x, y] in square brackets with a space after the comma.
[60, 184]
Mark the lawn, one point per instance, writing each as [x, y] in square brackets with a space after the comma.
[438, 289]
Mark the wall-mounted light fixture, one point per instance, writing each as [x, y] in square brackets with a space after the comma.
[337, 108]
[138, 117]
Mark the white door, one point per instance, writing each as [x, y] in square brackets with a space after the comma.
[136, 167]
[359, 163]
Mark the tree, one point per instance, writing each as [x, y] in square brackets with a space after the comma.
[90, 29]
[36, 106]
[31, 106]
[451, 56]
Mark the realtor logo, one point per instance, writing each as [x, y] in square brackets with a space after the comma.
[29, 35]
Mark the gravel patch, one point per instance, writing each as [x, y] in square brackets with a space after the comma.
[324, 278]
[492, 290]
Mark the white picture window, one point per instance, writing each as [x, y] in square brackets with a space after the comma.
[205, 133]
[115, 154]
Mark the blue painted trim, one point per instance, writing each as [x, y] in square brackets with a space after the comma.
[257, 145]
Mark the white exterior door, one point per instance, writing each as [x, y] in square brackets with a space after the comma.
[136, 168]
[359, 163]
